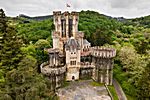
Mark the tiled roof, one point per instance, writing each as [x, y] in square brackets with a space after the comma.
[85, 42]
[72, 44]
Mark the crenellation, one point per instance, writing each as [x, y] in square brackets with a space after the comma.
[66, 13]
[56, 13]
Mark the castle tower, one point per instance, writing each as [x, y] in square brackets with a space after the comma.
[66, 26]
[75, 18]
[57, 32]
[57, 21]
[102, 58]
[73, 52]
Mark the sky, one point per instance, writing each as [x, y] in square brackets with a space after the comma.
[114, 8]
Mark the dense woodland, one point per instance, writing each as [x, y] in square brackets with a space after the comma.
[22, 43]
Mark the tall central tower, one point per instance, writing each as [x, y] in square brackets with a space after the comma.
[66, 26]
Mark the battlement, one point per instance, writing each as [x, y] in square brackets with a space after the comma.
[75, 13]
[56, 13]
[103, 52]
[66, 13]
[47, 70]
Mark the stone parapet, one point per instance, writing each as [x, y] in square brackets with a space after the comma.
[46, 70]
[103, 52]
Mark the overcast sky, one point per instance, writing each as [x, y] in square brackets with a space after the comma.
[115, 8]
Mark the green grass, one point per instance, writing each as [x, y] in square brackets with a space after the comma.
[113, 92]
[93, 83]
[65, 84]
[130, 97]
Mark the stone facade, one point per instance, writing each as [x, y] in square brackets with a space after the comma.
[72, 57]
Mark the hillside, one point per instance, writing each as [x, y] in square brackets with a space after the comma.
[38, 18]
[131, 39]
[140, 22]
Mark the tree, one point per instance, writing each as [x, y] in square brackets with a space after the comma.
[10, 52]
[144, 84]
[41, 55]
[10, 46]
[3, 24]
[101, 37]
[25, 82]
[132, 63]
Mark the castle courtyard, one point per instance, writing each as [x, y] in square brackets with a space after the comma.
[83, 90]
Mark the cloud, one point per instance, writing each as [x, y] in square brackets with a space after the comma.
[123, 3]
[125, 8]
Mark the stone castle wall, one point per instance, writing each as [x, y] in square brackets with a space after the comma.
[102, 58]
[55, 75]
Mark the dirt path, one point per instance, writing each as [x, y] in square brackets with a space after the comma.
[83, 90]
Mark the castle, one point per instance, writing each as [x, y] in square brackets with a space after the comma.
[72, 57]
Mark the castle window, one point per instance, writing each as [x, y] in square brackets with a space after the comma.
[77, 20]
[72, 62]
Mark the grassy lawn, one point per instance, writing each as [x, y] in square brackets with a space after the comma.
[130, 97]
[93, 83]
[113, 92]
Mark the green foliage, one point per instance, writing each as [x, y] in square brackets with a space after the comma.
[129, 68]
[144, 84]
[142, 21]
[99, 38]
[93, 83]
[35, 30]
[25, 82]
[19, 77]
[2, 79]
[41, 44]
[92, 22]
[113, 92]
[65, 84]
[141, 42]
[41, 54]
[10, 47]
